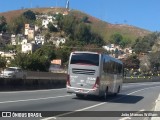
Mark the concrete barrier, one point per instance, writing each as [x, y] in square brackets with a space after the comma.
[142, 79]
[44, 80]
[45, 75]
[33, 84]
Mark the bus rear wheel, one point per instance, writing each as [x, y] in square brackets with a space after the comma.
[118, 90]
[106, 93]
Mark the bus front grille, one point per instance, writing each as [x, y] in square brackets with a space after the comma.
[83, 71]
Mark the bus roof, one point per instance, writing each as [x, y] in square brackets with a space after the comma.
[112, 58]
[85, 52]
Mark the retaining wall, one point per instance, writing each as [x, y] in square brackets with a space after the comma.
[51, 81]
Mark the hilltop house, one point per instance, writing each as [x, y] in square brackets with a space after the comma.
[39, 39]
[7, 55]
[29, 47]
[29, 31]
[57, 41]
[111, 47]
[117, 50]
[46, 19]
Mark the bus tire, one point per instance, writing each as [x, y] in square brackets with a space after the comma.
[118, 90]
[106, 93]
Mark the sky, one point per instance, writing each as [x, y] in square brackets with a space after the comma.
[140, 13]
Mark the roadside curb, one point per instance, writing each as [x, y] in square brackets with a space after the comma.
[157, 108]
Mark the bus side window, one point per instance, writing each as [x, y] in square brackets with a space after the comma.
[115, 68]
[106, 66]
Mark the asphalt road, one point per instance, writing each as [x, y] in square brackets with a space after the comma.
[133, 97]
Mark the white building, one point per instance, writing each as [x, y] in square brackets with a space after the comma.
[28, 48]
[60, 40]
[57, 41]
[36, 28]
[110, 47]
[39, 39]
[128, 50]
[46, 21]
[31, 34]
[27, 27]
[24, 41]
[13, 39]
[7, 55]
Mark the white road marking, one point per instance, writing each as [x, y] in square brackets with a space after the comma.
[156, 108]
[125, 118]
[30, 91]
[49, 118]
[34, 99]
[158, 99]
[96, 105]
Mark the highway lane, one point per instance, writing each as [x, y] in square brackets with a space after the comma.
[133, 97]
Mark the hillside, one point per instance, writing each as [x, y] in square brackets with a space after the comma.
[104, 28]
[107, 29]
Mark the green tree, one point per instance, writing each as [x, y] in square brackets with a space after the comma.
[85, 19]
[132, 62]
[82, 33]
[47, 36]
[125, 42]
[116, 38]
[63, 54]
[68, 24]
[145, 44]
[3, 62]
[30, 15]
[39, 24]
[40, 59]
[46, 50]
[52, 28]
[59, 17]
[155, 60]
[21, 60]
[141, 46]
[97, 39]
[38, 63]
[3, 24]
[17, 25]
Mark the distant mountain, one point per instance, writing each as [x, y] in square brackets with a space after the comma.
[104, 28]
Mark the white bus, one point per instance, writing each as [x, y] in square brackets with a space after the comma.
[92, 73]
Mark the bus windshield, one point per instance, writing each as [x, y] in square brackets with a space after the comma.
[85, 58]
